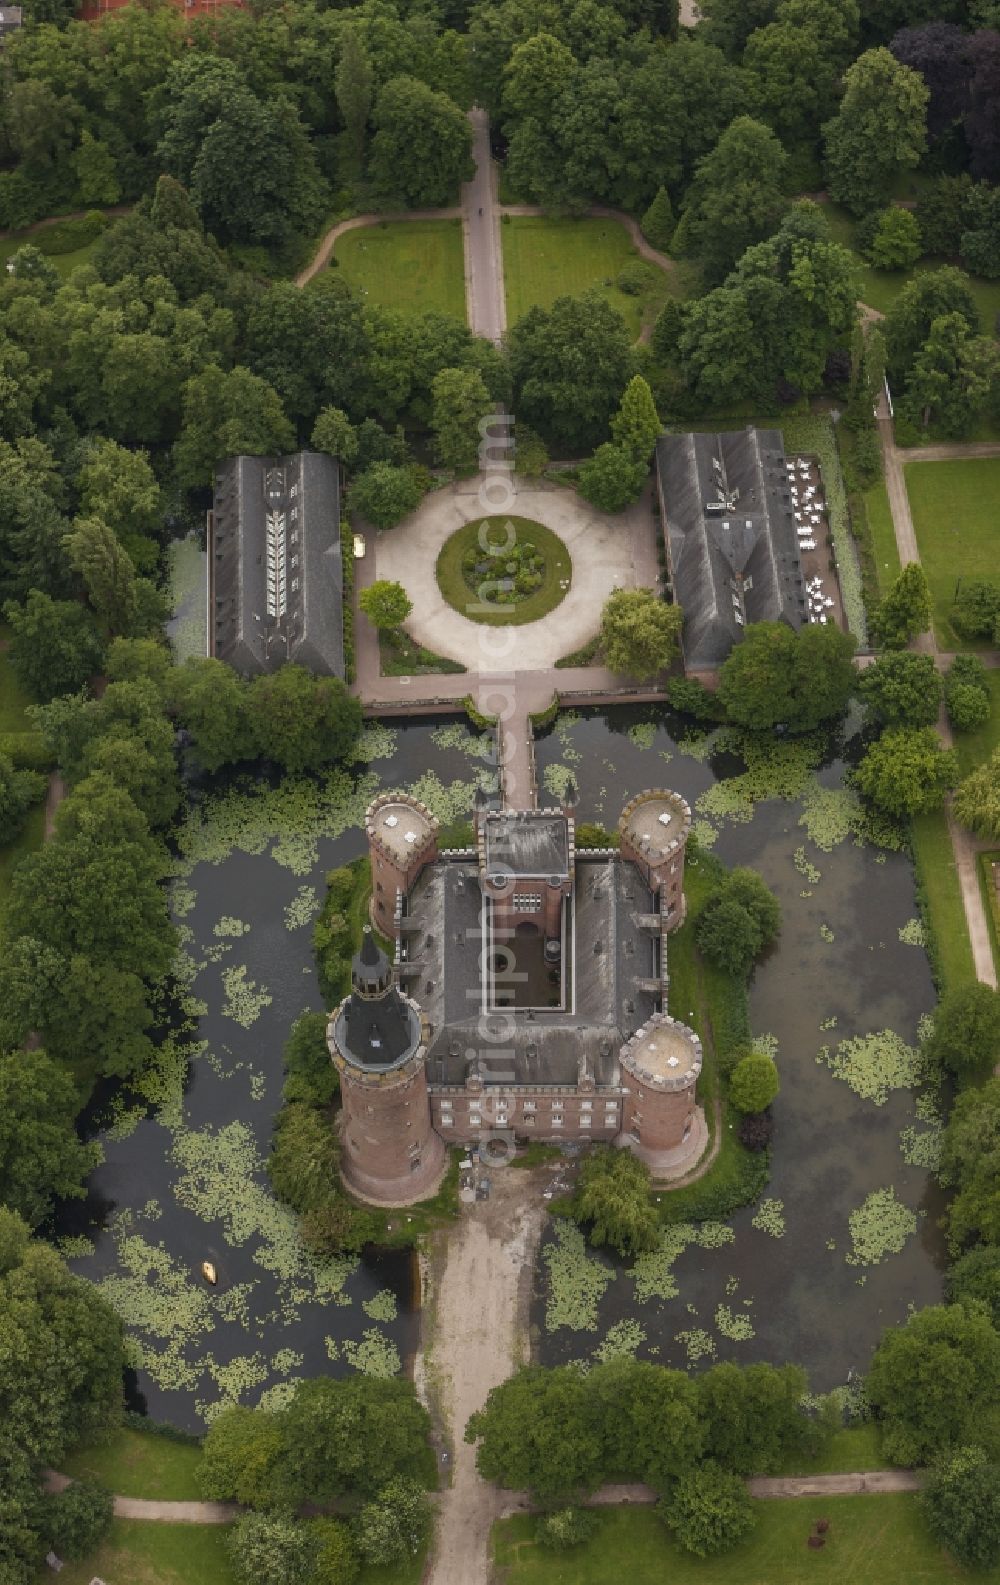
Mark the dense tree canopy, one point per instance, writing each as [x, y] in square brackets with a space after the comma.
[640, 634]
[879, 130]
[935, 1381]
[570, 365]
[780, 676]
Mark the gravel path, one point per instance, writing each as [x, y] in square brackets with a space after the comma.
[481, 1286]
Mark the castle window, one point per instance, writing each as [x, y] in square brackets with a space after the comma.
[415, 1164]
[529, 1120]
[634, 1134]
[527, 902]
[529, 1106]
[586, 1106]
[557, 1121]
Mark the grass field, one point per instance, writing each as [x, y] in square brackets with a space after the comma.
[153, 1554]
[880, 288]
[452, 582]
[64, 263]
[938, 878]
[137, 1464]
[954, 514]
[885, 553]
[138, 1553]
[856, 1447]
[412, 266]
[974, 747]
[544, 259]
[871, 1541]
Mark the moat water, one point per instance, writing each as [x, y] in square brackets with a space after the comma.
[183, 1181]
[840, 957]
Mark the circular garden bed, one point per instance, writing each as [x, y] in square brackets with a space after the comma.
[504, 570]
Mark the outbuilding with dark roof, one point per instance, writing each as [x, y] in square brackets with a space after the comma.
[276, 567]
[729, 528]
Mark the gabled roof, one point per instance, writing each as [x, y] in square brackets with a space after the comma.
[277, 566]
[740, 562]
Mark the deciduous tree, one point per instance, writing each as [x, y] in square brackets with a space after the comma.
[902, 688]
[613, 1198]
[906, 609]
[612, 478]
[383, 494]
[709, 1510]
[879, 130]
[977, 799]
[966, 1035]
[55, 646]
[935, 1381]
[301, 721]
[385, 604]
[461, 401]
[737, 197]
[906, 772]
[640, 634]
[422, 148]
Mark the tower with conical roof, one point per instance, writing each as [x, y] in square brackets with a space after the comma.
[378, 1041]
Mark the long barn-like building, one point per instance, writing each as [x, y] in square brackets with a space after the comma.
[729, 528]
[276, 573]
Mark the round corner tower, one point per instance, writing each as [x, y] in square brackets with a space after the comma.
[654, 828]
[402, 840]
[662, 1122]
[378, 1041]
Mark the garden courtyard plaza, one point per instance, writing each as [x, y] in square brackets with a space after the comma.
[608, 552]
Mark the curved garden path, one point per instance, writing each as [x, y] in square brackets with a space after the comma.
[481, 213]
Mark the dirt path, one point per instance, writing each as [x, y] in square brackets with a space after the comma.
[964, 847]
[871, 1482]
[53, 798]
[480, 1289]
[159, 1512]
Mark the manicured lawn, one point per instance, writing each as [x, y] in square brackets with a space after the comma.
[974, 747]
[137, 1553]
[958, 533]
[558, 571]
[63, 263]
[938, 878]
[544, 259]
[871, 1541]
[885, 554]
[137, 1464]
[412, 266]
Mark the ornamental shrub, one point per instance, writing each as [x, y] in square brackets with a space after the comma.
[709, 1510]
[567, 1527]
[754, 1083]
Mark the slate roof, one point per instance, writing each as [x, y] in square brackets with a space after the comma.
[527, 843]
[278, 577]
[615, 961]
[734, 566]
